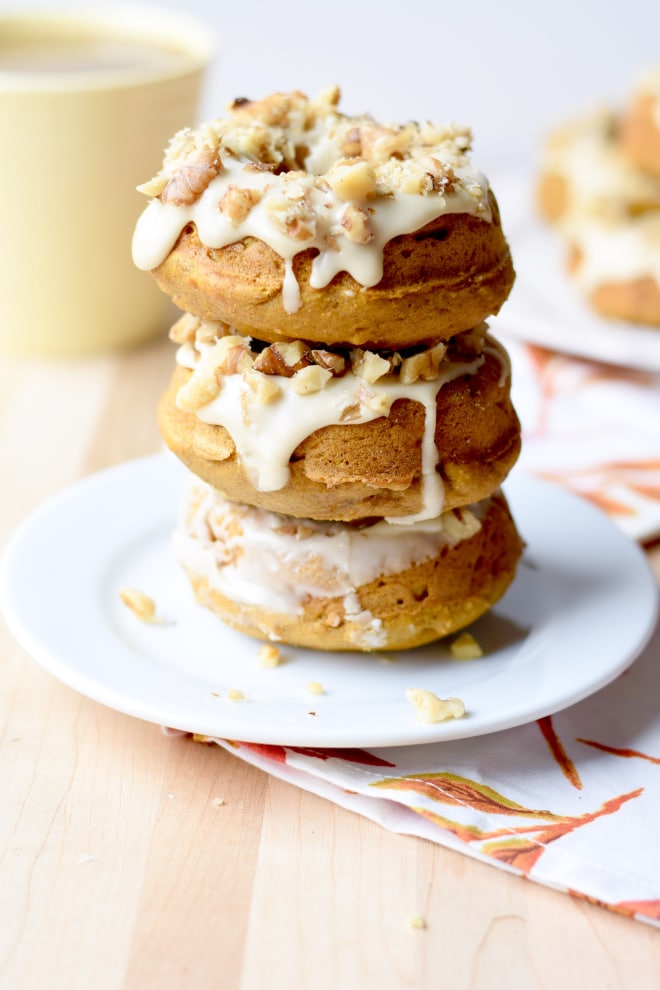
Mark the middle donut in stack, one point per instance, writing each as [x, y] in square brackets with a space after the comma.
[345, 415]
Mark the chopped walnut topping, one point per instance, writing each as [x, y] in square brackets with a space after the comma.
[231, 354]
[352, 179]
[189, 182]
[352, 144]
[443, 176]
[185, 329]
[200, 389]
[465, 647]
[334, 363]
[237, 203]
[355, 224]
[293, 217]
[310, 379]
[429, 708]
[153, 187]
[368, 365]
[380, 143]
[140, 604]
[425, 365]
[405, 175]
[283, 358]
[334, 618]
[264, 388]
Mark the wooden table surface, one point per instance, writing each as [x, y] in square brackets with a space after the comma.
[118, 871]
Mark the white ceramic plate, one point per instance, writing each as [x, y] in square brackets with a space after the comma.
[580, 610]
[545, 307]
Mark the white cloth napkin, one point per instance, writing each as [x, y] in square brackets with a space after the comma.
[594, 428]
[571, 801]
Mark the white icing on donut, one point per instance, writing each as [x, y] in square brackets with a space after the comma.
[266, 434]
[277, 562]
[413, 176]
[616, 253]
[599, 177]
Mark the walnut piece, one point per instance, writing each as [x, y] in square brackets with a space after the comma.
[200, 389]
[310, 379]
[140, 604]
[354, 222]
[185, 329]
[429, 708]
[264, 388]
[269, 656]
[368, 365]
[283, 358]
[424, 365]
[334, 363]
[231, 355]
[352, 179]
[237, 203]
[190, 180]
[465, 647]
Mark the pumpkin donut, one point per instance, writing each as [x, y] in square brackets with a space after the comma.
[640, 130]
[585, 171]
[342, 436]
[289, 220]
[329, 586]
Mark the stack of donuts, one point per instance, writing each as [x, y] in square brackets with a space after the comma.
[343, 412]
[600, 186]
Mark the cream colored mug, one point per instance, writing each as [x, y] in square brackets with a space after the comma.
[88, 101]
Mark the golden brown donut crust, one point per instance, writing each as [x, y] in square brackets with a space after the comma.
[370, 469]
[636, 301]
[416, 606]
[437, 282]
[640, 134]
[552, 196]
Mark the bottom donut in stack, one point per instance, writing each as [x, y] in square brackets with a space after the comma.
[339, 586]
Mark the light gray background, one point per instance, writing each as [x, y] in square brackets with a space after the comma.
[510, 70]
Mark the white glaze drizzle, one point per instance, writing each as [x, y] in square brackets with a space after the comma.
[615, 253]
[398, 213]
[266, 434]
[255, 557]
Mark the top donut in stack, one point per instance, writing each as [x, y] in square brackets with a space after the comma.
[335, 380]
[600, 185]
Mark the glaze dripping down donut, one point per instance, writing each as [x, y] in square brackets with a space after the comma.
[288, 219]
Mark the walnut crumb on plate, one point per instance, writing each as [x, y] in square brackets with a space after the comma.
[140, 604]
[429, 708]
[465, 647]
[269, 656]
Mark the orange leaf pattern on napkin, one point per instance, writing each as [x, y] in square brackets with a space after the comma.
[592, 428]
[512, 799]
